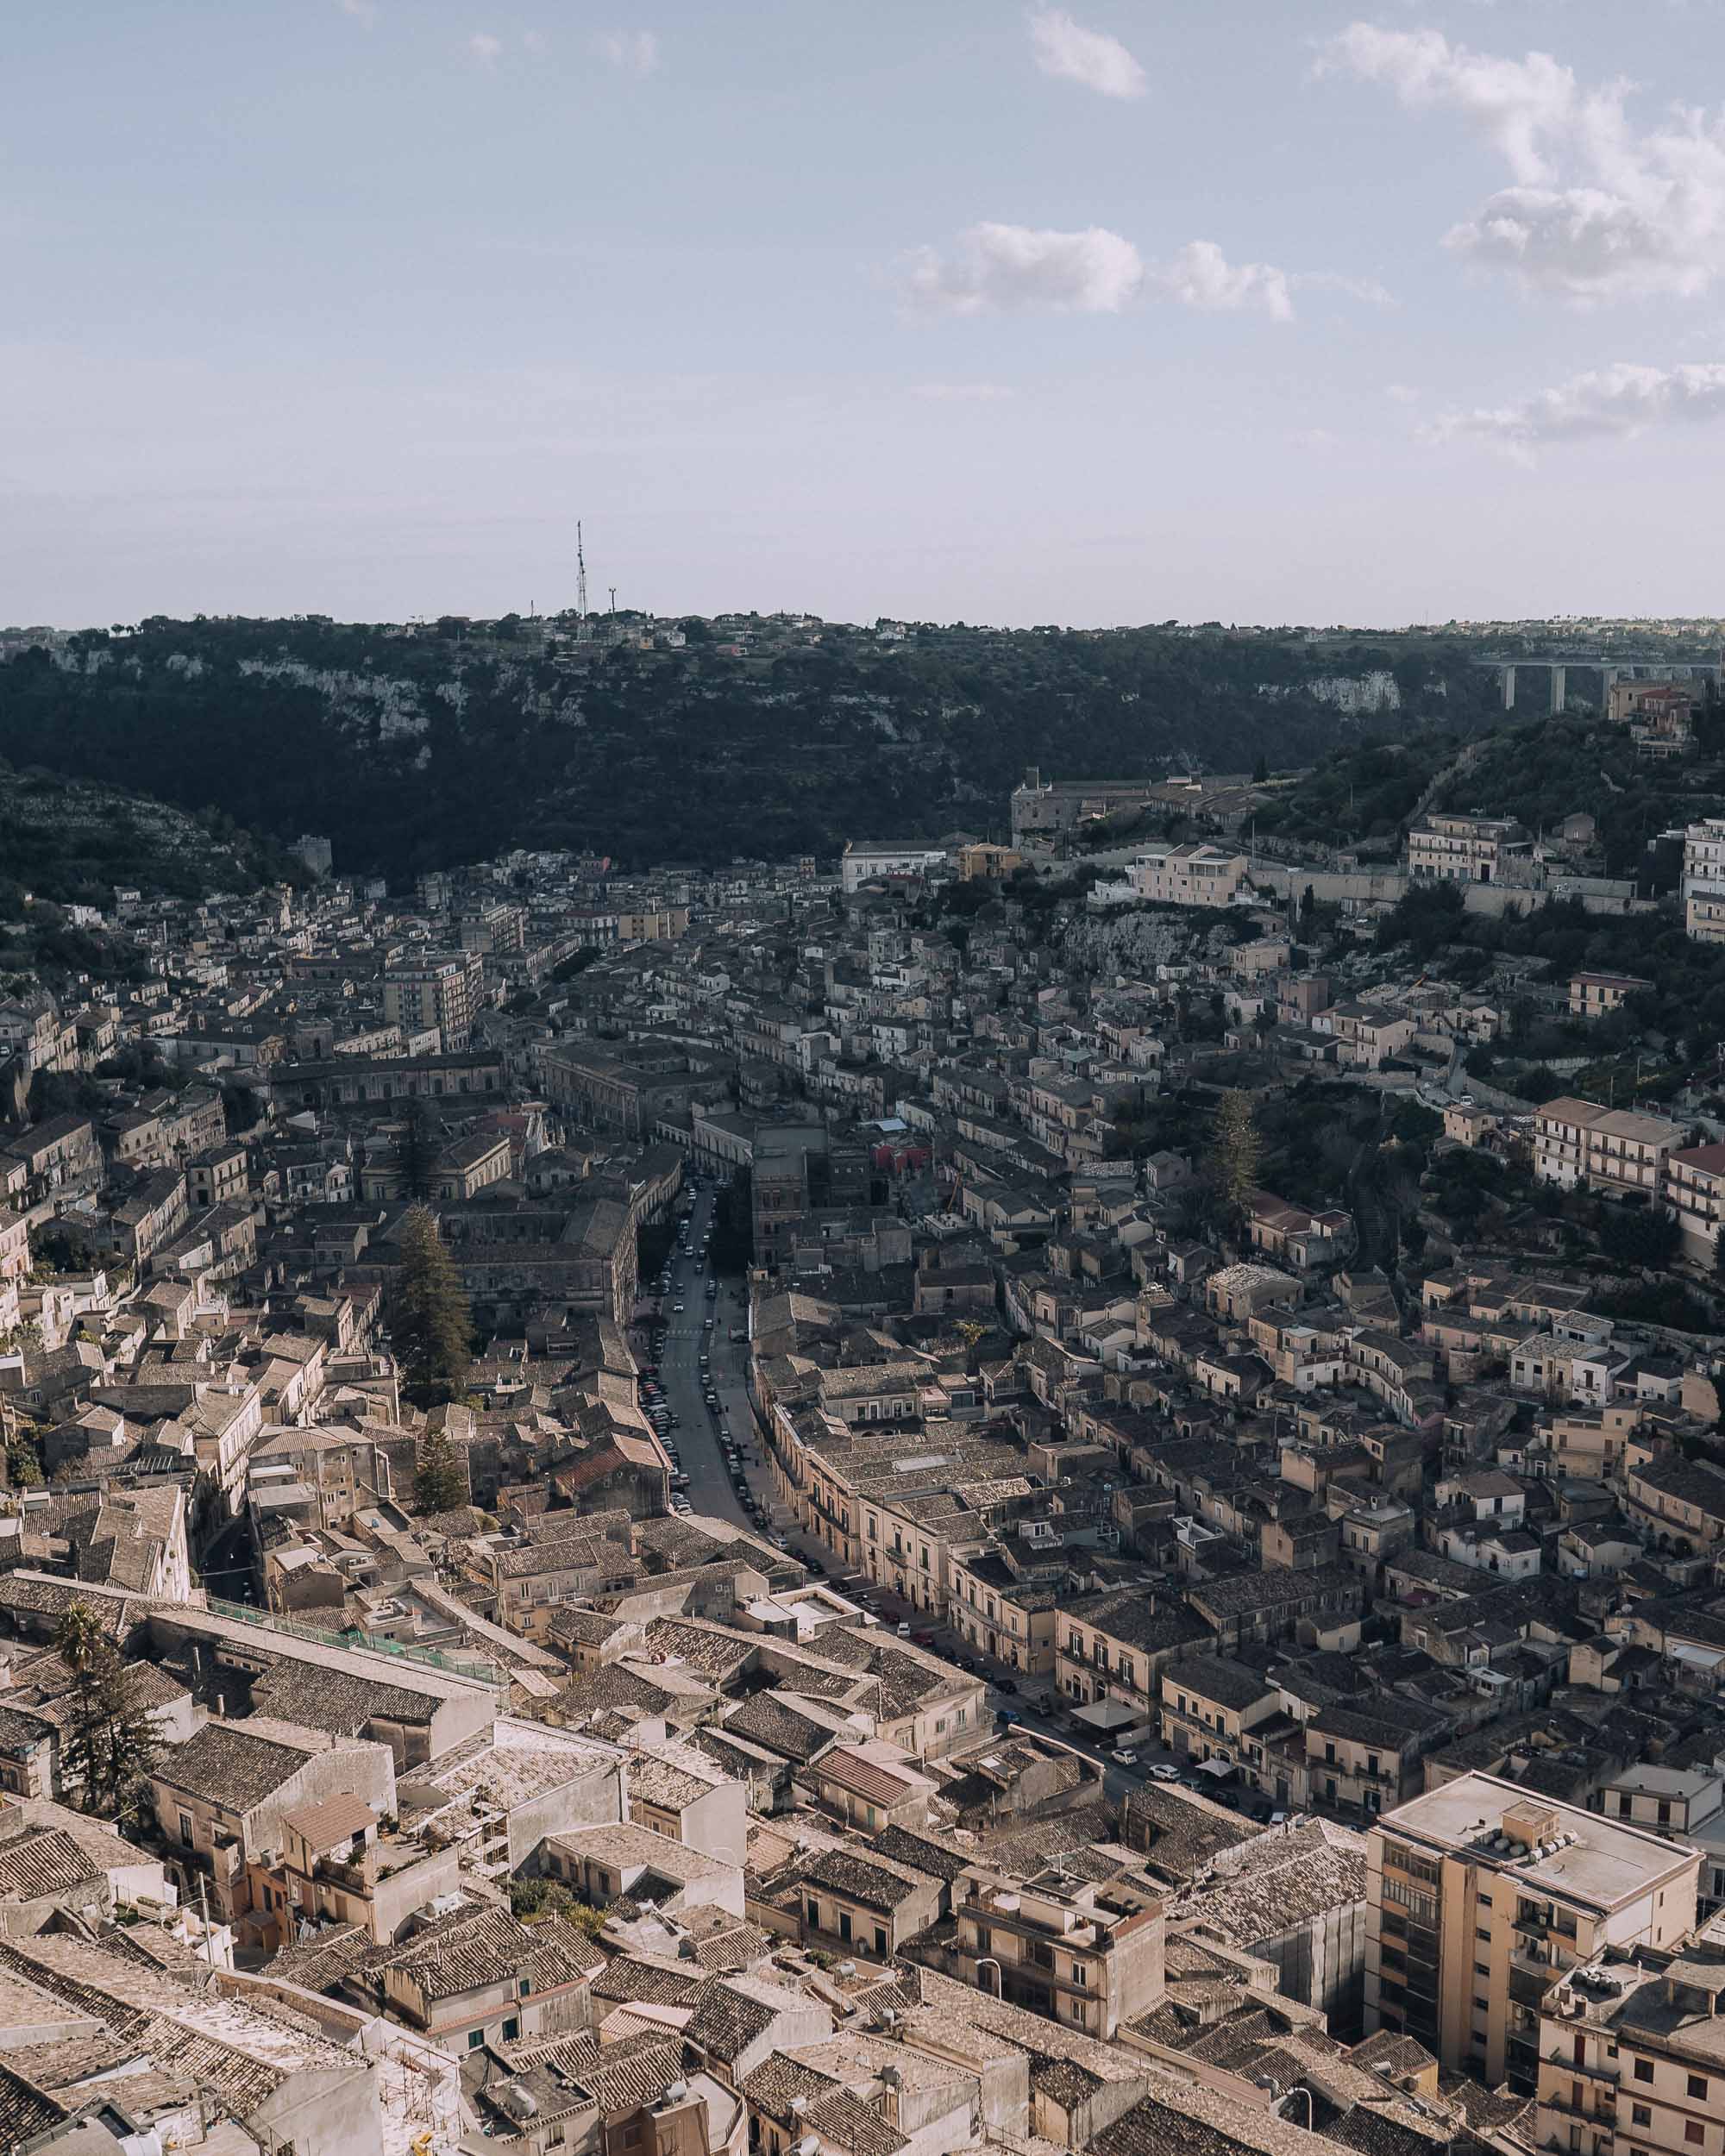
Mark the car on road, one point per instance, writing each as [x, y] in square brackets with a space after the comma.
[1163, 1772]
[923, 1639]
[1006, 1684]
[677, 1307]
[1123, 1759]
[707, 1324]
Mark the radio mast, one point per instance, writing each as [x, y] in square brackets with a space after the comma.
[581, 630]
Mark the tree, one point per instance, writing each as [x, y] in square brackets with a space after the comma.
[429, 1324]
[414, 1152]
[1238, 1150]
[111, 1742]
[439, 1484]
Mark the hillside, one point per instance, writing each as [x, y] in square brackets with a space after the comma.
[70, 841]
[462, 740]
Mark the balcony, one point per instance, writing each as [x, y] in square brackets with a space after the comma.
[1599, 2070]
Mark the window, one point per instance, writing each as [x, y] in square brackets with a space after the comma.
[1693, 2130]
[1644, 2070]
[475, 2037]
[1698, 2087]
[1640, 2114]
[511, 2029]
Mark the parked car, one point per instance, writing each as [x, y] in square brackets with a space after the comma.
[1006, 1684]
[1123, 1759]
[1163, 1772]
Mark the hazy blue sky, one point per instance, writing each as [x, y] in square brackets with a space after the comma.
[1265, 310]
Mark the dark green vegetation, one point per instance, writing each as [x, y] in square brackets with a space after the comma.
[110, 1741]
[414, 751]
[70, 840]
[429, 1325]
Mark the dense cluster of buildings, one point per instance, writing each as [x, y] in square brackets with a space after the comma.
[1148, 1677]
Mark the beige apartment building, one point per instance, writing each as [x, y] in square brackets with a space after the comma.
[1089, 1960]
[1611, 1149]
[1454, 849]
[1193, 874]
[440, 990]
[1632, 2055]
[1481, 1896]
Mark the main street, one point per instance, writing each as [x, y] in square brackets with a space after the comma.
[711, 1489]
[685, 1338]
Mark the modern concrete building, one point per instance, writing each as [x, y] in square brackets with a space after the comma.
[1481, 1896]
[1193, 874]
[443, 989]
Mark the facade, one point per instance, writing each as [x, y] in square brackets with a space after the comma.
[1631, 2061]
[1192, 874]
[1454, 849]
[865, 859]
[1481, 1896]
[1090, 1958]
[1704, 880]
[1592, 994]
[1616, 1151]
[440, 990]
[1694, 1193]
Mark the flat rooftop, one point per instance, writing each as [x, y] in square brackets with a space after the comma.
[1598, 1862]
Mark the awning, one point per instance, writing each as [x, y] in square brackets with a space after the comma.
[1108, 1715]
[1218, 1770]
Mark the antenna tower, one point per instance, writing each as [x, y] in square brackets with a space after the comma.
[581, 588]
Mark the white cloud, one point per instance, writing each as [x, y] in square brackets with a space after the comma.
[1616, 401]
[1069, 52]
[363, 11]
[1598, 207]
[1402, 393]
[635, 52]
[484, 48]
[535, 42]
[1011, 267]
[1201, 275]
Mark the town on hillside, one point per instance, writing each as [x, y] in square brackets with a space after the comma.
[1053, 1488]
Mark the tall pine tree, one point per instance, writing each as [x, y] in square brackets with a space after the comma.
[440, 1483]
[111, 1742]
[429, 1321]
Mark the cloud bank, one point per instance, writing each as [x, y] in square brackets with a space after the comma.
[1598, 207]
[1608, 403]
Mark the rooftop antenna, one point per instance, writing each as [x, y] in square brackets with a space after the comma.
[612, 589]
[581, 588]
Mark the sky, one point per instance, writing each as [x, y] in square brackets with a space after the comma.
[1240, 310]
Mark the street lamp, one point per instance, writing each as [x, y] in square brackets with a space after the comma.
[988, 1961]
[1278, 2097]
